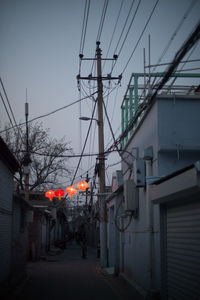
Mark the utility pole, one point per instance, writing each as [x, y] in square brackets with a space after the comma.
[101, 156]
[103, 224]
[86, 192]
[26, 160]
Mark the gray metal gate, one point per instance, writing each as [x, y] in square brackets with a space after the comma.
[183, 251]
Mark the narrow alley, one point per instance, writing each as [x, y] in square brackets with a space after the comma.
[66, 275]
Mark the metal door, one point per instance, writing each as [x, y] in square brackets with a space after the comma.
[183, 251]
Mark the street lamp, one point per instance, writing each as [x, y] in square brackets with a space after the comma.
[88, 119]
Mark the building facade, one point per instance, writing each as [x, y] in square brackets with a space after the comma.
[8, 167]
[162, 140]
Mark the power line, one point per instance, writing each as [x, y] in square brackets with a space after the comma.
[6, 110]
[85, 142]
[84, 26]
[176, 31]
[102, 20]
[187, 60]
[188, 44]
[120, 9]
[84, 29]
[124, 26]
[129, 28]
[52, 112]
[67, 155]
[8, 100]
[173, 37]
[100, 28]
[115, 143]
[140, 36]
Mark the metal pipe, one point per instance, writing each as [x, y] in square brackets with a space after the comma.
[149, 85]
[144, 72]
[123, 127]
[131, 106]
[121, 237]
[126, 116]
[170, 63]
[149, 224]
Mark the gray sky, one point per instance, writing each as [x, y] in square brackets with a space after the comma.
[39, 50]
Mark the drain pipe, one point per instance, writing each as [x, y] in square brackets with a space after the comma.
[149, 223]
[121, 237]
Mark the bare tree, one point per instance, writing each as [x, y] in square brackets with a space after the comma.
[48, 156]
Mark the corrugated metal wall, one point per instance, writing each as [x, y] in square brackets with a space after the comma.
[183, 251]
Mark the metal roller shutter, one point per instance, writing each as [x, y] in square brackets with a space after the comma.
[183, 251]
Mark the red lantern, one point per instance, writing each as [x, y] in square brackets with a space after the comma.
[50, 194]
[59, 193]
[82, 185]
[71, 190]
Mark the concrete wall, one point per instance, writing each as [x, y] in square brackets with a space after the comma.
[114, 211]
[6, 206]
[19, 240]
[178, 133]
[136, 236]
[171, 127]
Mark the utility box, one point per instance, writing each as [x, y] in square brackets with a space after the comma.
[131, 196]
[139, 172]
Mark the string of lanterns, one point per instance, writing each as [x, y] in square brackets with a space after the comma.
[71, 190]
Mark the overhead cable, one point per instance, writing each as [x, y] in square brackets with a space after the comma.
[100, 28]
[184, 63]
[176, 32]
[130, 25]
[102, 20]
[8, 101]
[50, 113]
[115, 144]
[8, 114]
[84, 29]
[173, 37]
[85, 142]
[141, 36]
[84, 26]
[130, 9]
[120, 9]
[188, 44]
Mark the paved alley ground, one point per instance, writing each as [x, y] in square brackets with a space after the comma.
[68, 276]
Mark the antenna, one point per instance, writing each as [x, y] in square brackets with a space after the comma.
[26, 107]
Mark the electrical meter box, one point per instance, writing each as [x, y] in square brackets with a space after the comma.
[139, 172]
[131, 196]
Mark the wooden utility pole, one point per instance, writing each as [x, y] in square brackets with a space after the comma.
[101, 156]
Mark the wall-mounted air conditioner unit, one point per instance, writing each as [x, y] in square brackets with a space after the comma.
[131, 196]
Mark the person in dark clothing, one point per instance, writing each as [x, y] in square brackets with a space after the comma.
[83, 241]
[84, 248]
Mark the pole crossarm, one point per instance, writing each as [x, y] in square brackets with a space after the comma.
[102, 78]
[96, 58]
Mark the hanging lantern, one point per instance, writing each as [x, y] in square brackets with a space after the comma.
[50, 194]
[71, 190]
[82, 185]
[59, 193]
